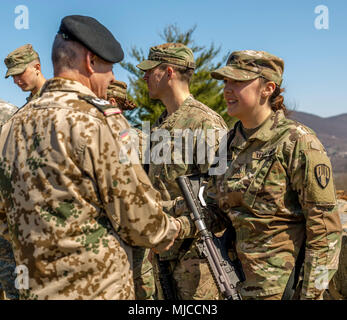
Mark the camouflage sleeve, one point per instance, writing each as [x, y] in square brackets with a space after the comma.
[3, 225]
[130, 201]
[311, 176]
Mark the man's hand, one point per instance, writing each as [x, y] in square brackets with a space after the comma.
[178, 225]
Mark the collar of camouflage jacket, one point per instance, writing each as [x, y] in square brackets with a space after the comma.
[34, 96]
[68, 85]
[265, 131]
[164, 116]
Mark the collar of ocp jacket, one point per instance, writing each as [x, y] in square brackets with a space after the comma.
[68, 85]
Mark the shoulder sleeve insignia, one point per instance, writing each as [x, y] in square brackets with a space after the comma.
[102, 105]
[322, 173]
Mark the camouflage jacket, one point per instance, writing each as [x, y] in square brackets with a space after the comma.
[32, 97]
[198, 118]
[73, 201]
[278, 190]
[6, 111]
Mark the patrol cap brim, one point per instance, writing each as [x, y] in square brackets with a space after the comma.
[93, 35]
[148, 64]
[234, 73]
[18, 69]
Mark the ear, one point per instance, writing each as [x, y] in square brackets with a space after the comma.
[268, 89]
[90, 62]
[112, 101]
[170, 72]
[37, 67]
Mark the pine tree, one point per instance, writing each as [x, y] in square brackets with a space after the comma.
[204, 88]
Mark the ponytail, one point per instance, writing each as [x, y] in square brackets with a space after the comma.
[277, 100]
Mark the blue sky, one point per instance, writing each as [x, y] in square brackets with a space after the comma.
[315, 60]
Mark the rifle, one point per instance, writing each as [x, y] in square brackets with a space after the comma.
[226, 273]
[165, 279]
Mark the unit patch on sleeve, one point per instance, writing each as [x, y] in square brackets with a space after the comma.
[322, 173]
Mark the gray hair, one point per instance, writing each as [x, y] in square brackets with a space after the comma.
[65, 54]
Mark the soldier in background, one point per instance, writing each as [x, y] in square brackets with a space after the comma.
[168, 71]
[24, 66]
[7, 262]
[73, 201]
[142, 268]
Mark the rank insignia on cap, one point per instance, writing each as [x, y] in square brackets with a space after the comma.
[322, 173]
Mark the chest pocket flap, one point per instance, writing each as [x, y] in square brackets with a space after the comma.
[265, 161]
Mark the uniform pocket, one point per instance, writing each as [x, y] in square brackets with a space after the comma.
[258, 195]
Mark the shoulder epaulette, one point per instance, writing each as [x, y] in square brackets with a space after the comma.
[102, 105]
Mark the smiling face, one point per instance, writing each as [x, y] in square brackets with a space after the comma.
[242, 97]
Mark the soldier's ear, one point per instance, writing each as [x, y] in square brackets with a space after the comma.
[90, 62]
[169, 71]
[268, 89]
[37, 67]
[112, 101]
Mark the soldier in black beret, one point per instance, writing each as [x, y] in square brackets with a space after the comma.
[79, 182]
[86, 49]
[93, 35]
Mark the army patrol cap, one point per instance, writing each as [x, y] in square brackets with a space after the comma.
[117, 89]
[93, 35]
[172, 53]
[249, 64]
[18, 60]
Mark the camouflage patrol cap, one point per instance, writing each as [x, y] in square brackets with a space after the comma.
[172, 53]
[18, 60]
[249, 64]
[117, 89]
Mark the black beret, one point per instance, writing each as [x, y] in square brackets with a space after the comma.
[93, 35]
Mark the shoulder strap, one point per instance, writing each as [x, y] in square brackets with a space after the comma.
[102, 105]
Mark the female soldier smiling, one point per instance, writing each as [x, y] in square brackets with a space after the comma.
[278, 189]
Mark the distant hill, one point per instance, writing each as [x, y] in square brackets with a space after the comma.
[332, 132]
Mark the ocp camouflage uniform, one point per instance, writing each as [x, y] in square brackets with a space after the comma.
[192, 277]
[33, 96]
[142, 268]
[338, 285]
[7, 262]
[74, 198]
[277, 189]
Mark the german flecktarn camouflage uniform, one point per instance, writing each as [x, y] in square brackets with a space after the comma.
[73, 198]
[143, 270]
[7, 262]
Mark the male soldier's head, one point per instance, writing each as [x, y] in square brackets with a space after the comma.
[169, 66]
[24, 66]
[117, 95]
[85, 51]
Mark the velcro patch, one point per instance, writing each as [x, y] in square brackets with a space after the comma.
[102, 105]
[319, 185]
[323, 174]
